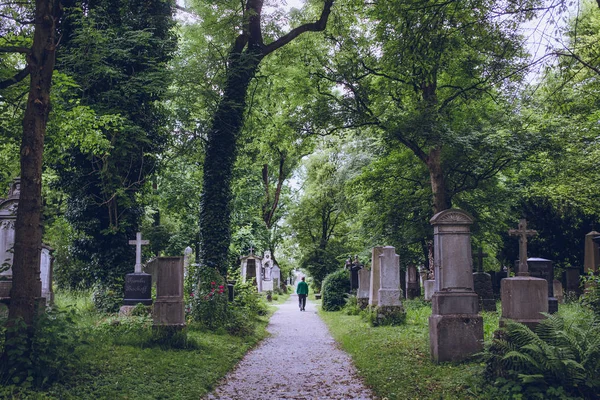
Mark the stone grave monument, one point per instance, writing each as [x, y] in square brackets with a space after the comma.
[267, 272]
[8, 216]
[138, 286]
[558, 291]
[362, 294]
[592, 255]
[413, 288]
[374, 280]
[252, 269]
[353, 267]
[524, 298]
[187, 255]
[542, 268]
[46, 270]
[168, 309]
[482, 284]
[572, 282]
[429, 286]
[455, 327]
[389, 306]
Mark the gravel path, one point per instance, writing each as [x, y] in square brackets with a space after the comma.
[299, 361]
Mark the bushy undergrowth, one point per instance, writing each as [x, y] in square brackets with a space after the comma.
[108, 298]
[335, 290]
[592, 296]
[560, 359]
[40, 359]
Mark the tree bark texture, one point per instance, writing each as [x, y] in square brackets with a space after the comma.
[441, 200]
[26, 286]
[221, 151]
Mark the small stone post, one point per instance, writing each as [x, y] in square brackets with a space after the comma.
[455, 327]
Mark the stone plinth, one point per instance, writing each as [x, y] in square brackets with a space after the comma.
[455, 327]
[375, 278]
[364, 284]
[543, 268]
[524, 299]
[429, 289]
[169, 305]
[482, 284]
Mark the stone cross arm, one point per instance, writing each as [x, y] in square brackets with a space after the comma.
[522, 233]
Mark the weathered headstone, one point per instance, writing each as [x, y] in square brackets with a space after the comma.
[46, 271]
[354, 267]
[8, 216]
[591, 260]
[558, 291]
[524, 298]
[187, 255]
[389, 308]
[543, 268]
[455, 327]
[138, 286]
[572, 280]
[413, 288]
[267, 272]
[482, 284]
[252, 269]
[362, 294]
[497, 281]
[169, 308]
[428, 289]
[374, 280]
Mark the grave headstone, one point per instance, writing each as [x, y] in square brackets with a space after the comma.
[267, 272]
[482, 284]
[572, 280]
[592, 253]
[524, 298]
[46, 271]
[187, 255]
[389, 308]
[413, 288]
[455, 327]
[8, 216]
[543, 268]
[362, 294]
[230, 291]
[558, 291]
[428, 289]
[252, 270]
[497, 281]
[374, 280]
[169, 307]
[138, 286]
[276, 275]
[355, 266]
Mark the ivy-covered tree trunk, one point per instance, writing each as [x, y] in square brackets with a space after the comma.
[244, 59]
[26, 288]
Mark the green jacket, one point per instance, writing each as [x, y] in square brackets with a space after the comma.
[302, 288]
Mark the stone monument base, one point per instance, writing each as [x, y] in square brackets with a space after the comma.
[450, 303]
[429, 287]
[455, 337]
[168, 312]
[524, 299]
[362, 302]
[488, 305]
[388, 315]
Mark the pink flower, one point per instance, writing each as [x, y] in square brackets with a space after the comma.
[213, 283]
[221, 287]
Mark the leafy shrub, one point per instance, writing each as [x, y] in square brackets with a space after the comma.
[335, 289]
[108, 298]
[592, 296]
[351, 307]
[47, 356]
[560, 356]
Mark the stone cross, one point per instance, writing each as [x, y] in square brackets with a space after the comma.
[480, 256]
[138, 242]
[522, 233]
[251, 250]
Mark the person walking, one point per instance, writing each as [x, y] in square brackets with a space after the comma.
[302, 291]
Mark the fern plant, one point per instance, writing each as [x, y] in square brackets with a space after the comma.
[558, 354]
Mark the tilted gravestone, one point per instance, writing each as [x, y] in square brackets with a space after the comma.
[455, 327]
[524, 298]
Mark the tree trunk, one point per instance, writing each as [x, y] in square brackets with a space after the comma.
[215, 208]
[28, 233]
[441, 201]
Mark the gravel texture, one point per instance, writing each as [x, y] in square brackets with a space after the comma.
[300, 360]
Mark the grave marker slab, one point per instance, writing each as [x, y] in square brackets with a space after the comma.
[138, 286]
[413, 288]
[374, 281]
[169, 307]
[362, 294]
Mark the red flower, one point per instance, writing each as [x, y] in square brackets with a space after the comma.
[213, 283]
[221, 287]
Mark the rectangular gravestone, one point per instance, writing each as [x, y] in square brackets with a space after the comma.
[413, 288]
[169, 307]
[362, 294]
[544, 269]
[46, 270]
[572, 280]
[558, 291]
[8, 216]
[374, 280]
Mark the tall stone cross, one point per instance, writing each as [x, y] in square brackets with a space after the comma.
[138, 242]
[480, 256]
[522, 233]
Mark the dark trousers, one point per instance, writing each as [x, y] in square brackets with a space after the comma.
[302, 301]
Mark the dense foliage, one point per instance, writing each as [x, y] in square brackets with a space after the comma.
[335, 290]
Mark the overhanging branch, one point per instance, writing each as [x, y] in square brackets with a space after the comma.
[317, 26]
[19, 76]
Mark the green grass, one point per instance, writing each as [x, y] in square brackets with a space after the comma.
[395, 361]
[116, 361]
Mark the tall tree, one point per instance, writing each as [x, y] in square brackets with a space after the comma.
[117, 52]
[28, 234]
[244, 57]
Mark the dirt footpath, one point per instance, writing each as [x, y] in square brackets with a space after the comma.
[299, 361]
